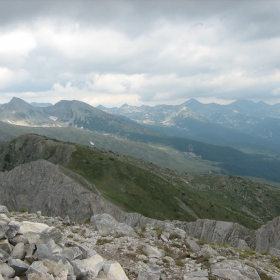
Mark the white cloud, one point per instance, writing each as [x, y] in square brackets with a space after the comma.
[137, 51]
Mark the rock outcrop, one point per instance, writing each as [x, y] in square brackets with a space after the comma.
[43, 186]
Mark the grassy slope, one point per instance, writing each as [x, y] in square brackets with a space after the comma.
[154, 191]
[158, 154]
[138, 190]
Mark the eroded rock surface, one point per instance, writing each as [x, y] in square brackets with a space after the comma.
[47, 248]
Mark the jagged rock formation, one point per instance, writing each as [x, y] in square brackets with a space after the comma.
[34, 247]
[41, 185]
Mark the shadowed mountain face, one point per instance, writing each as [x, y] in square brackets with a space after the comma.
[20, 112]
[81, 115]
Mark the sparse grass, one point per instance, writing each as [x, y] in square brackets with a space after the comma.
[264, 276]
[275, 261]
[179, 262]
[139, 250]
[102, 241]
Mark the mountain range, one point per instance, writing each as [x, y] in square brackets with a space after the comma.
[242, 124]
[79, 122]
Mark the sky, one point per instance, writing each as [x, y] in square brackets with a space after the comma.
[140, 52]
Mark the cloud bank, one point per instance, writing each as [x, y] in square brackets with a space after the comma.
[139, 52]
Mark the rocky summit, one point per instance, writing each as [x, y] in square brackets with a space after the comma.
[33, 246]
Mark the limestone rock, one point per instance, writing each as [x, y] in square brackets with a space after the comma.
[18, 251]
[153, 252]
[53, 233]
[6, 270]
[194, 247]
[13, 229]
[4, 210]
[197, 275]
[58, 270]
[33, 227]
[4, 257]
[18, 265]
[114, 271]
[107, 225]
[88, 267]
[37, 271]
[242, 244]
[6, 246]
[233, 269]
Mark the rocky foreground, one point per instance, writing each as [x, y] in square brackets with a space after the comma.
[35, 247]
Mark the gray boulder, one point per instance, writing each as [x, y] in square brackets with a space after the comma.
[88, 267]
[18, 251]
[114, 271]
[107, 225]
[18, 265]
[6, 270]
[4, 210]
[233, 269]
[4, 257]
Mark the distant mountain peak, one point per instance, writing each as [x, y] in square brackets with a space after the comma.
[192, 101]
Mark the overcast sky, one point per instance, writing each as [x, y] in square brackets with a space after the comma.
[140, 52]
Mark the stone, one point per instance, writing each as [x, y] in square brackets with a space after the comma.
[4, 210]
[153, 252]
[6, 246]
[233, 269]
[4, 257]
[107, 225]
[6, 270]
[179, 233]
[18, 251]
[88, 267]
[33, 227]
[58, 270]
[4, 219]
[17, 239]
[86, 251]
[197, 275]
[37, 271]
[13, 229]
[242, 244]
[66, 221]
[194, 247]
[207, 250]
[164, 238]
[169, 260]
[29, 250]
[146, 275]
[53, 233]
[114, 271]
[72, 253]
[18, 265]
[3, 229]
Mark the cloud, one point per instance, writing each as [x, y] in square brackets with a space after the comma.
[139, 51]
